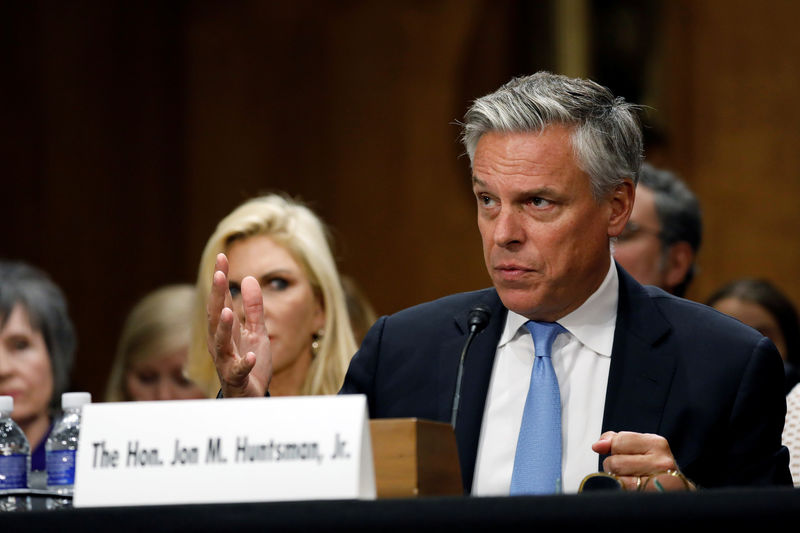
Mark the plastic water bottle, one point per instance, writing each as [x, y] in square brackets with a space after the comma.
[15, 461]
[61, 447]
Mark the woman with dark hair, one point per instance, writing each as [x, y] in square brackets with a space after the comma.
[760, 305]
[37, 347]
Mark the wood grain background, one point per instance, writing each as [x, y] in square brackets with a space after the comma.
[130, 129]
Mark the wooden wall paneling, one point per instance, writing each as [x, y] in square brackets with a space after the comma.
[140, 125]
[743, 128]
[104, 216]
[350, 106]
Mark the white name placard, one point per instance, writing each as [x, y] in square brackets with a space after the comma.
[216, 451]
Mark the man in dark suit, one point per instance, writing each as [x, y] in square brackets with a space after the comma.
[710, 398]
[646, 383]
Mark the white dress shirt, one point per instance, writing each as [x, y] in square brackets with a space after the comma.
[581, 359]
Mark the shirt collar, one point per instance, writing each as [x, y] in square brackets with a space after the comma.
[593, 323]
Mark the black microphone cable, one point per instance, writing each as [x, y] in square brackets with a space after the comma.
[478, 319]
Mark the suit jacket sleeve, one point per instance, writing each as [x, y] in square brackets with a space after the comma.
[360, 378]
[755, 453]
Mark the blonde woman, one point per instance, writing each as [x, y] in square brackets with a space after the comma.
[285, 247]
[150, 363]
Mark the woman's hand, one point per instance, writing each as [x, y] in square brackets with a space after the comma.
[240, 352]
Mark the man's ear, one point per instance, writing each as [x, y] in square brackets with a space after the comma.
[680, 257]
[621, 205]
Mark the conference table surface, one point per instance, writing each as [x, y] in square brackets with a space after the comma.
[617, 511]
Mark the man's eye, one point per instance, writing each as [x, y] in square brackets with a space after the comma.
[539, 202]
[484, 200]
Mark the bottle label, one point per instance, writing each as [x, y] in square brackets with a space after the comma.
[13, 471]
[60, 467]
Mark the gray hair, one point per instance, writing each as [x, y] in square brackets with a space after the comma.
[46, 306]
[678, 212]
[606, 135]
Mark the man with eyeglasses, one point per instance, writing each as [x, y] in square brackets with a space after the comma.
[662, 238]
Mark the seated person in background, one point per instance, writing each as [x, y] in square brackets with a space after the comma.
[662, 238]
[285, 246]
[362, 314]
[151, 357]
[37, 348]
[638, 382]
[760, 305]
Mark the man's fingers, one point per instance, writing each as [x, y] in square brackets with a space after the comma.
[666, 481]
[629, 443]
[632, 482]
[638, 465]
[603, 444]
[635, 454]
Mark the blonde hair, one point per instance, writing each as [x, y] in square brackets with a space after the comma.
[158, 324]
[295, 227]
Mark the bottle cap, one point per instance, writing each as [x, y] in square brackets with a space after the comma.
[71, 400]
[6, 403]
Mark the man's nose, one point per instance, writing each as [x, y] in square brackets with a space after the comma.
[508, 229]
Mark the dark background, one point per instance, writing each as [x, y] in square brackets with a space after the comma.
[131, 128]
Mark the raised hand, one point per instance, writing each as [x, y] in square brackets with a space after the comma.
[240, 352]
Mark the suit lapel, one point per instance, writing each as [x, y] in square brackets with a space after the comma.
[638, 382]
[475, 381]
[640, 377]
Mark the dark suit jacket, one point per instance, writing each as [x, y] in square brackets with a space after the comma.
[708, 384]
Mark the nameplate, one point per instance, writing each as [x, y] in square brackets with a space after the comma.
[222, 451]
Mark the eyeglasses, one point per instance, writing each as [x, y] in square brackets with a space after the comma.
[666, 481]
[632, 229]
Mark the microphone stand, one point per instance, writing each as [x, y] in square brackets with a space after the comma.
[479, 317]
[457, 398]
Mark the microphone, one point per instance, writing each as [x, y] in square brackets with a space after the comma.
[477, 320]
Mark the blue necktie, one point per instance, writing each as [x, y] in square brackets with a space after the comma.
[537, 463]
